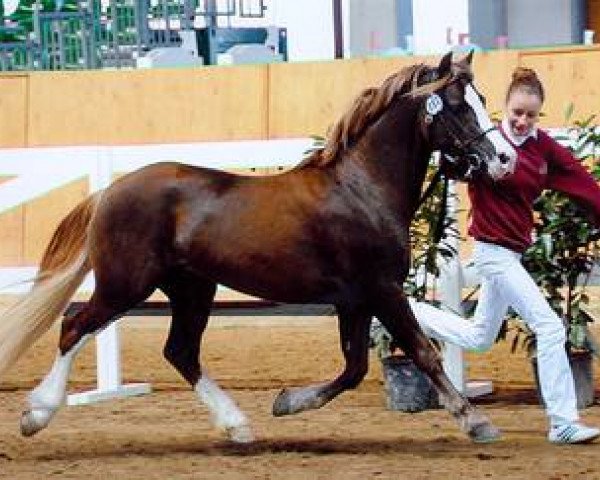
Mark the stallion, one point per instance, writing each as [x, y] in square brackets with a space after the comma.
[333, 230]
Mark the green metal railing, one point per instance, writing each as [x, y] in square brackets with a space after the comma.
[83, 34]
[18, 56]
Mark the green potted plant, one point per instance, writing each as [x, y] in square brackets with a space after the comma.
[561, 260]
[407, 388]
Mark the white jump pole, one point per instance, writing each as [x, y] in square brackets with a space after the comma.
[108, 358]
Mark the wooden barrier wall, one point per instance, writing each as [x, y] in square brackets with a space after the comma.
[228, 103]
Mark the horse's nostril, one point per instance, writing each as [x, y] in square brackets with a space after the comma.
[474, 159]
[503, 157]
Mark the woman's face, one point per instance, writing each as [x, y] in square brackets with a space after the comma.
[523, 111]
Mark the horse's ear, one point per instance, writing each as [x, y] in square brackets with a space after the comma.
[445, 65]
[469, 57]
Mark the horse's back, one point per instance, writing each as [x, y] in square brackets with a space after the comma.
[172, 204]
[140, 209]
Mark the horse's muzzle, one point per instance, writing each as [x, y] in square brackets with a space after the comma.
[465, 166]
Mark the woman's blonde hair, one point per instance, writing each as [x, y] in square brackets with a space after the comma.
[525, 79]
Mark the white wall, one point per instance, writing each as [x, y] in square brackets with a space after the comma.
[552, 25]
[373, 26]
[432, 18]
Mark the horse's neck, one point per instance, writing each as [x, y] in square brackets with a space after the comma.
[396, 156]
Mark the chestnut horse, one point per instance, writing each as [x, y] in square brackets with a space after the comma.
[333, 230]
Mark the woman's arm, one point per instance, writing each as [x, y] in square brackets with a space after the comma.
[566, 174]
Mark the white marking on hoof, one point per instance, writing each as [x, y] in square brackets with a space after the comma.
[32, 421]
[479, 428]
[45, 399]
[485, 433]
[224, 412]
[241, 434]
[291, 401]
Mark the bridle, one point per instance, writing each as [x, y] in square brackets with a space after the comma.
[434, 104]
[474, 161]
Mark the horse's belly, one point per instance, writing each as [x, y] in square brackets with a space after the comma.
[282, 279]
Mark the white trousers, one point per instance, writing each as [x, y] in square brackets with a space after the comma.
[504, 283]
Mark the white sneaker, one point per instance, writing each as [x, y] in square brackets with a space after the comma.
[571, 433]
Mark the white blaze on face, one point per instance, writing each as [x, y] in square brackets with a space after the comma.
[497, 169]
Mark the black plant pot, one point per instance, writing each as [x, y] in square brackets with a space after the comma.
[583, 375]
[407, 388]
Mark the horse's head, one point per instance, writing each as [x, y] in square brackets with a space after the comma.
[455, 122]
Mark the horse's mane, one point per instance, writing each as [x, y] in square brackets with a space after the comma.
[367, 108]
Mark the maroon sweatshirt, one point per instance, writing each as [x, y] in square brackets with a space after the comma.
[502, 211]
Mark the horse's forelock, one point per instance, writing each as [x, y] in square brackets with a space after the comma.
[462, 68]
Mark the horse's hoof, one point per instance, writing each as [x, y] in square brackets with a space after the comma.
[241, 434]
[485, 433]
[282, 404]
[32, 421]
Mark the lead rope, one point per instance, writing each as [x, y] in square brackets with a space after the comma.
[440, 226]
[438, 231]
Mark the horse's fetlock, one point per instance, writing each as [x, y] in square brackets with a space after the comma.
[45, 399]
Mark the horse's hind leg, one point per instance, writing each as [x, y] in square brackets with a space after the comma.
[191, 299]
[45, 400]
[395, 314]
[354, 341]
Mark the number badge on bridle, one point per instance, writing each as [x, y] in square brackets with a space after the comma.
[433, 105]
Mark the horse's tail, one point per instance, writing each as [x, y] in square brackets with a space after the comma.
[63, 268]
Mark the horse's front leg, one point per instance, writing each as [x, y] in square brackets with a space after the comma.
[354, 339]
[394, 312]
